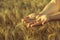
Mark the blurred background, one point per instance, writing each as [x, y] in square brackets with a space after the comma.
[11, 28]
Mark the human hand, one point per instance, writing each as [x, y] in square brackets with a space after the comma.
[35, 20]
[30, 19]
[41, 20]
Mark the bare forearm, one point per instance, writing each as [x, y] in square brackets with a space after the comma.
[50, 8]
[55, 16]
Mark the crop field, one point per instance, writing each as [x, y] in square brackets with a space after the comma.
[11, 27]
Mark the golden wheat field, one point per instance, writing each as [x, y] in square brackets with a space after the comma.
[11, 27]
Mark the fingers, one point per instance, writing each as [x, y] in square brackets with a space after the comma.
[39, 22]
[29, 18]
[36, 24]
[43, 21]
[26, 20]
[30, 22]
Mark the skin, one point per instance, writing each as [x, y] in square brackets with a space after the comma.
[50, 12]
